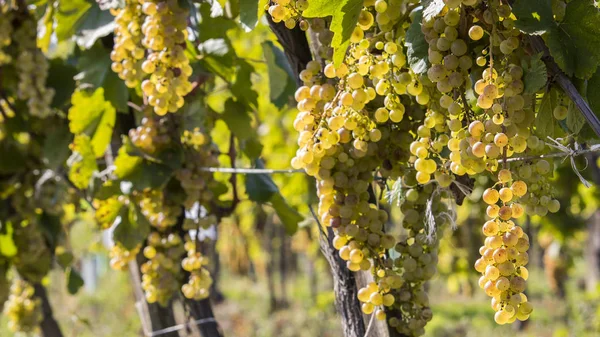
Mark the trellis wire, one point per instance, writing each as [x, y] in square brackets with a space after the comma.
[179, 327]
[570, 153]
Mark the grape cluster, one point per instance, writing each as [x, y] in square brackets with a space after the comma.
[121, 256]
[128, 52]
[289, 12]
[23, 309]
[504, 255]
[164, 35]
[33, 260]
[196, 182]
[161, 273]
[32, 68]
[158, 210]
[199, 282]
[107, 211]
[151, 136]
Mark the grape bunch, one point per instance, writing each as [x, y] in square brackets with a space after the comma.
[199, 153]
[121, 256]
[164, 35]
[23, 309]
[504, 255]
[34, 259]
[199, 281]
[128, 53]
[32, 67]
[289, 12]
[155, 207]
[151, 136]
[161, 272]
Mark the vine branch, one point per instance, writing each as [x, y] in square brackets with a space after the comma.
[538, 45]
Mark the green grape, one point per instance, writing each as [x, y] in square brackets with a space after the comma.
[23, 309]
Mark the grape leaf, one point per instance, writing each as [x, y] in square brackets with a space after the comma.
[593, 88]
[288, 215]
[535, 74]
[416, 46]
[344, 14]
[132, 229]
[125, 164]
[45, 27]
[574, 42]
[575, 120]
[56, 147]
[545, 123]
[8, 149]
[69, 15]
[92, 115]
[250, 12]
[238, 120]
[431, 8]
[74, 280]
[534, 16]
[94, 69]
[97, 24]
[7, 244]
[262, 189]
[84, 164]
[281, 83]
[60, 78]
[242, 86]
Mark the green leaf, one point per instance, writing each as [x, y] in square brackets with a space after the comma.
[534, 16]
[416, 46]
[545, 123]
[575, 120]
[535, 74]
[237, 119]
[97, 24]
[56, 147]
[8, 149]
[288, 215]
[574, 42]
[64, 258]
[69, 16]
[431, 8]
[83, 167]
[344, 15]
[260, 187]
[132, 229]
[60, 78]
[281, 83]
[45, 27]
[148, 175]
[94, 70]
[250, 12]
[92, 115]
[242, 86]
[125, 164]
[74, 281]
[7, 244]
[593, 88]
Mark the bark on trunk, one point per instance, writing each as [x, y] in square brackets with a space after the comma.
[344, 287]
[49, 326]
[153, 316]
